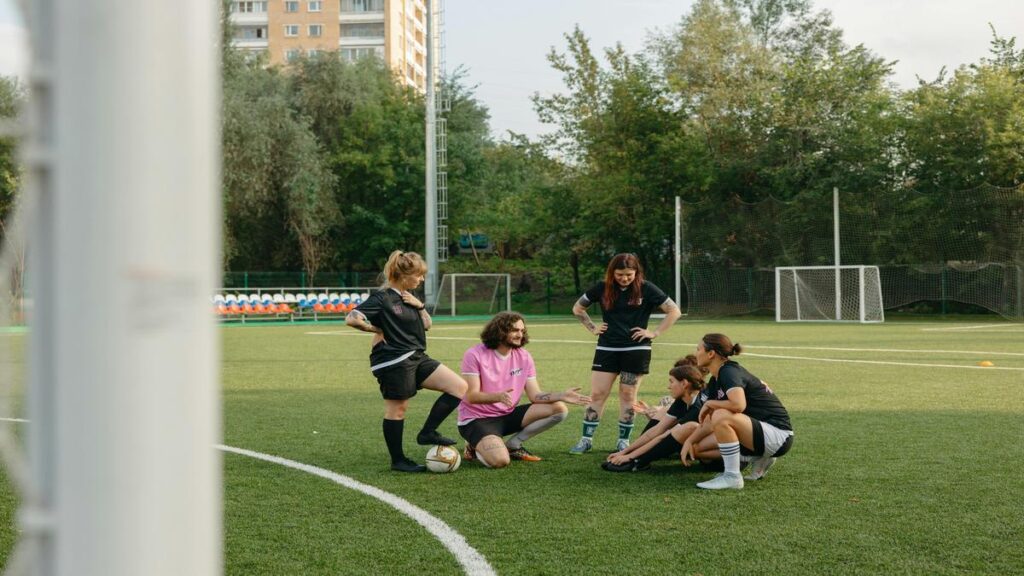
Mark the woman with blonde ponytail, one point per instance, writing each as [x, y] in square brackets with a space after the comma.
[398, 358]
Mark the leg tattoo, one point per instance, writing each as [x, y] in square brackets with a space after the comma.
[628, 378]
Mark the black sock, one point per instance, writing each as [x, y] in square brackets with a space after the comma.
[651, 424]
[393, 438]
[666, 447]
[443, 406]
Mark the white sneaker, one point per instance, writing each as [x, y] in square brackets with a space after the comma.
[759, 467]
[621, 445]
[723, 481]
[584, 445]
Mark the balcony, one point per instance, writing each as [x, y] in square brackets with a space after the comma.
[248, 18]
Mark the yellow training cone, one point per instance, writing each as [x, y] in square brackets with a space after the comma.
[985, 363]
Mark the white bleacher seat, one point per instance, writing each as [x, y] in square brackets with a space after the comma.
[290, 298]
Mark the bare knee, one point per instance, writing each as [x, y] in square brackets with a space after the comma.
[492, 452]
[559, 408]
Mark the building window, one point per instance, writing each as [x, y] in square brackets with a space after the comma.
[291, 6]
[291, 30]
[249, 7]
[291, 55]
[353, 54]
[250, 33]
[363, 30]
[315, 6]
[316, 30]
[313, 53]
[362, 6]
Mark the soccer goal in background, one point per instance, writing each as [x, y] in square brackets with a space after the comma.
[473, 294]
[828, 294]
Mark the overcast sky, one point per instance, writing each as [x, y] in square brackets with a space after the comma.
[503, 44]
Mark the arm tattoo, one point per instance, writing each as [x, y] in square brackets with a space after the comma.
[628, 378]
[544, 397]
[583, 317]
[591, 415]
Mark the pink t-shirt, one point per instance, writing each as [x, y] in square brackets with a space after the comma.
[497, 373]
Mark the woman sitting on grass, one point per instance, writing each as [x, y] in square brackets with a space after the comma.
[664, 435]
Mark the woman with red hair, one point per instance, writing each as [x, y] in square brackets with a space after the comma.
[623, 343]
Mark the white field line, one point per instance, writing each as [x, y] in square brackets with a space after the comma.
[1014, 328]
[472, 561]
[884, 363]
[837, 360]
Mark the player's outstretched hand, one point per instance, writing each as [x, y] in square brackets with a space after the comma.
[644, 408]
[573, 396]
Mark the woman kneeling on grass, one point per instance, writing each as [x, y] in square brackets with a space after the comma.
[664, 435]
[399, 360]
[742, 413]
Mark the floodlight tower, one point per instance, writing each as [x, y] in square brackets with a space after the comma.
[436, 238]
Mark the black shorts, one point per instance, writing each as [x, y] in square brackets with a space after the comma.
[401, 381]
[633, 361]
[500, 426]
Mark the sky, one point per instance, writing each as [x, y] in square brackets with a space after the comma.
[503, 45]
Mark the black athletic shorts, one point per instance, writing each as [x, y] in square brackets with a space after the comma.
[500, 426]
[634, 361]
[401, 381]
[759, 443]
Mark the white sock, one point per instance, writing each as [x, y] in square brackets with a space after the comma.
[731, 456]
[534, 428]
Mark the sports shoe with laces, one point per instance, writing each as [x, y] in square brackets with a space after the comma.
[584, 445]
[469, 454]
[759, 467]
[621, 445]
[524, 455]
[406, 465]
[723, 481]
[631, 466]
[425, 438]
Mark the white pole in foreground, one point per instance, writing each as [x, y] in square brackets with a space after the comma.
[128, 257]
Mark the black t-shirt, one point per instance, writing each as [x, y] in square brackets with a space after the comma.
[762, 403]
[401, 324]
[683, 413]
[622, 318]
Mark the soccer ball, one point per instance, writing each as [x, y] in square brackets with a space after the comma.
[443, 459]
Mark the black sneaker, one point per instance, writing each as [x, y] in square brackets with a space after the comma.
[631, 466]
[432, 438]
[406, 465]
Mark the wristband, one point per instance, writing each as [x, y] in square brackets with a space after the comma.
[420, 308]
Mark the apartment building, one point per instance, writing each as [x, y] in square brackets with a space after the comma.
[393, 30]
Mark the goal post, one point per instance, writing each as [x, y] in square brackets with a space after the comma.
[828, 294]
[473, 294]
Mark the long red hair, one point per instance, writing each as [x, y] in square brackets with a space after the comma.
[611, 287]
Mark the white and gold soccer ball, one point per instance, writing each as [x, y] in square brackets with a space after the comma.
[443, 459]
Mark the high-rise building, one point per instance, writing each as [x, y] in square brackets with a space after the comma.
[393, 30]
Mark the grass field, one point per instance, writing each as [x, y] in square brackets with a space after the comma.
[906, 460]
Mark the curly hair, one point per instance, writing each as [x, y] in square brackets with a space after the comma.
[495, 333]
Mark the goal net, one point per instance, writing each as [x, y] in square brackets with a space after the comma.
[828, 293]
[473, 294]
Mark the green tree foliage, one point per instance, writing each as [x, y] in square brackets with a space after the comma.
[11, 99]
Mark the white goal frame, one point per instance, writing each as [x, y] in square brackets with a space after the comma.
[862, 316]
[453, 301]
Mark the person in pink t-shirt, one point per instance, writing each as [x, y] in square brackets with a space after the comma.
[498, 372]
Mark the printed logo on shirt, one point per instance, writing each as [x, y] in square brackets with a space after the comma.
[397, 309]
[516, 372]
[720, 394]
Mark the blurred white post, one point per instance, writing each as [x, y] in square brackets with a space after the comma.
[126, 256]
